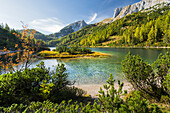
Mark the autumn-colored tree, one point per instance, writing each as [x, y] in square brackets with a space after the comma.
[23, 56]
[6, 62]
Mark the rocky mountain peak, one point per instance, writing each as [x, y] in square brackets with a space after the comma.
[77, 25]
[70, 28]
[144, 4]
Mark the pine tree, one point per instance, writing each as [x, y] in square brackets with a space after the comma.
[7, 27]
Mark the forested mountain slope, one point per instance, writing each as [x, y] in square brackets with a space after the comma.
[39, 35]
[144, 28]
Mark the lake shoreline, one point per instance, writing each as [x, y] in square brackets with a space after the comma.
[130, 47]
[161, 47]
[92, 89]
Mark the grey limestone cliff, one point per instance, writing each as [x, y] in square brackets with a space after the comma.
[144, 4]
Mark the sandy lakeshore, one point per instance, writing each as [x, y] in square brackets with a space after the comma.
[93, 89]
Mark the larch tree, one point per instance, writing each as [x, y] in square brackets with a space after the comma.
[141, 33]
[137, 33]
[151, 36]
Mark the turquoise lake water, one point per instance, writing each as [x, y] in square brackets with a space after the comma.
[97, 70]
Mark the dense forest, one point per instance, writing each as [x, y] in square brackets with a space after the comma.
[8, 39]
[144, 28]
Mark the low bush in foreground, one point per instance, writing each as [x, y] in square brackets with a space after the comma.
[153, 80]
[37, 84]
[108, 102]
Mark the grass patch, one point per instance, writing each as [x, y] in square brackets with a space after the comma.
[53, 54]
[47, 53]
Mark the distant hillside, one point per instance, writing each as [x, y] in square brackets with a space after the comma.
[144, 28]
[70, 29]
[63, 32]
[39, 35]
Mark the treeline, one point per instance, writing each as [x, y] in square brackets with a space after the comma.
[145, 28]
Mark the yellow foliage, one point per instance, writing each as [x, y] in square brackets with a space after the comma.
[53, 54]
[16, 45]
[47, 53]
[64, 53]
[87, 95]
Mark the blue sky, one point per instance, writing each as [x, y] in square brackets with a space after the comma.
[49, 16]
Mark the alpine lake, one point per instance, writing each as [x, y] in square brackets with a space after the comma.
[97, 70]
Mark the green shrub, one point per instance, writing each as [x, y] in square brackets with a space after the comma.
[165, 99]
[61, 49]
[150, 79]
[37, 84]
[108, 102]
[73, 50]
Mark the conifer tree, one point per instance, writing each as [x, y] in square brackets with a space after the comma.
[7, 27]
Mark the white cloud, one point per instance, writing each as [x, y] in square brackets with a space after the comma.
[101, 18]
[92, 18]
[48, 25]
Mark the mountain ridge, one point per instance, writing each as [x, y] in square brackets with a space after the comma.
[136, 7]
[73, 27]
